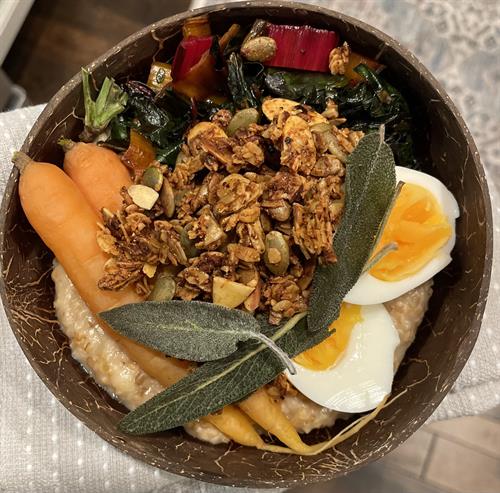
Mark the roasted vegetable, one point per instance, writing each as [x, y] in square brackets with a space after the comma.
[310, 88]
[356, 59]
[97, 171]
[160, 75]
[188, 54]
[302, 47]
[196, 27]
[140, 153]
[205, 78]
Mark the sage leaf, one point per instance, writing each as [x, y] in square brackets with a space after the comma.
[218, 383]
[192, 330]
[370, 188]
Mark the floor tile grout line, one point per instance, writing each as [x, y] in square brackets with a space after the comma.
[468, 445]
[428, 456]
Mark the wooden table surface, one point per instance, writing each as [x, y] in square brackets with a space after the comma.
[60, 36]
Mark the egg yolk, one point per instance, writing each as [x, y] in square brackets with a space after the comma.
[326, 353]
[419, 229]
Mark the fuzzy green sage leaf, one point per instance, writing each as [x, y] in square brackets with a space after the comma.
[192, 330]
[370, 187]
[218, 383]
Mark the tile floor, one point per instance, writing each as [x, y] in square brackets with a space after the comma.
[455, 456]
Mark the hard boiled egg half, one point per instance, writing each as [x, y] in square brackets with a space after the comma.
[352, 370]
[421, 228]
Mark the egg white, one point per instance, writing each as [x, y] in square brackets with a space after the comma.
[370, 290]
[363, 376]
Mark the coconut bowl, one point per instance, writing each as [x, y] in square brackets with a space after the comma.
[444, 341]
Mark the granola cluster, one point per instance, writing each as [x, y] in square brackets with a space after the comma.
[241, 220]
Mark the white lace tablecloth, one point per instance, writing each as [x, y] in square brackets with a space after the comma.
[43, 448]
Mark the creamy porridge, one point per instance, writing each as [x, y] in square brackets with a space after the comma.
[111, 367]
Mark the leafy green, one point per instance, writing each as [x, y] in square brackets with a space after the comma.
[218, 383]
[306, 87]
[206, 109]
[192, 330]
[370, 187]
[366, 105]
[111, 101]
[162, 119]
[168, 155]
[240, 86]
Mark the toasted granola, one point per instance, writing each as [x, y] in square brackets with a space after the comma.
[285, 176]
[339, 58]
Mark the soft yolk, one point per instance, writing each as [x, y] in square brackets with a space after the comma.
[326, 353]
[419, 229]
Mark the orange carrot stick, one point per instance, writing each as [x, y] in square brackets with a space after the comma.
[97, 171]
[65, 221]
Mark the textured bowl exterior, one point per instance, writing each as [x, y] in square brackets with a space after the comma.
[433, 362]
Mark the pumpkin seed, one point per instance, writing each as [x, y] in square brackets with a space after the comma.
[164, 288]
[241, 120]
[143, 196]
[153, 178]
[167, 199]
[281, 213]
[259, 49]
[188, 245]
[277, 254]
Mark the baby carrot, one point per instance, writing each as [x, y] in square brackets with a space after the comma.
[97, 171]
[268, 414]
[67, 224]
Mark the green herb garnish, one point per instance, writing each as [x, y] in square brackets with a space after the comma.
[218, 383]
[370, 187]
[194, 330]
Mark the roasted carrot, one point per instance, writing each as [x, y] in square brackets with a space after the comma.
[64, 219]
[97, 171]
[268, 414]
[236, 425]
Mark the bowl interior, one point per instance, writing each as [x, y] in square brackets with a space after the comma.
[433, 362]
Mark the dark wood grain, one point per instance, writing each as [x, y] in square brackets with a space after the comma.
[59, 37]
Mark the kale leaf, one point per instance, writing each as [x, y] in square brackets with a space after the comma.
[311, 88]
[244, 81]
[162, 118]
[366, 105]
